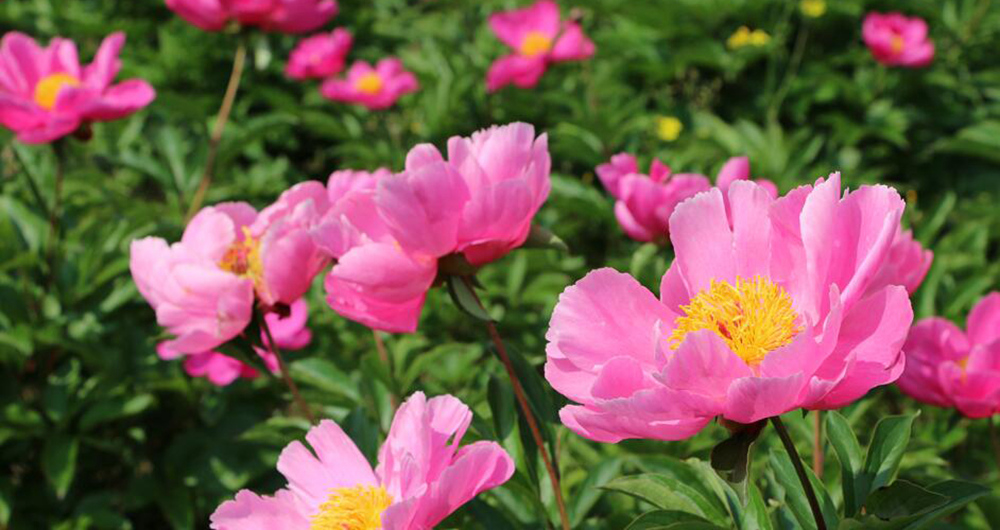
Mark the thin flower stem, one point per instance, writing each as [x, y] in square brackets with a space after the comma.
[818, 456]
[800, 470]
[283, 367]
[383, 355]
[529, 417]
[239, 60]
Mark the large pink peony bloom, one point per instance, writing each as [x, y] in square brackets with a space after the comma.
[375, 88]
[949, 368]
[897, 40]
[319, 56]
[204, 287]
[289, 332]
[763, 311]
[285, 16]
[421, 478]
[539, 39]
[45, 94]
[644, 202]
[388, 234]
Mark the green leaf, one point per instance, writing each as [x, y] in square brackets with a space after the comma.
[892, 434]
[900, 499]
[116, 408]
[59, 461]
[667, 493]
[541, 237]
[466, 300]
[845, 444]
[957, 493]
[324, 375]
[669, 519]
[731, 457]
[755, 515]
[591, 490]
[501, 400]
[795, 497]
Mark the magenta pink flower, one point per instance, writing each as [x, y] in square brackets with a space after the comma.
[389, 233]
[907, 264]
[289, 332]
[45, 94]
[644, 202]
[285, 16]
[375, 88]
[897, 40]
[764, 310]
[949, 368]
[320, 56]
[204, 287]
[539, 38]
[422, 476]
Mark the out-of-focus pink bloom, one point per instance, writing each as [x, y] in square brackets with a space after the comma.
[203, 288]
[907, 264]
[285, 16]
[388, 234]
[897, 40]
[539, 38]
[46, 94]
[375, 88]
[644, 202]
[422, 475]
[950, 368]
[320, 56]
[289, 332]
[764, 310]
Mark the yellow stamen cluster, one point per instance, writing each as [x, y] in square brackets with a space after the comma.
[243, 259]
[897, 44]
[355, 508]
[668, 128]
[535, 43]
[813, 8]
[754, 317]
[744, 37]
[370, 83]
[47, 89]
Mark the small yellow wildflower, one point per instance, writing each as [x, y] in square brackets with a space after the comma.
[744, 36]
[668, 128]
[813, 8]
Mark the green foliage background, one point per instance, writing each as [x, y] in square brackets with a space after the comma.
[97, 432]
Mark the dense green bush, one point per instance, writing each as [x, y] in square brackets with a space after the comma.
[97, 432]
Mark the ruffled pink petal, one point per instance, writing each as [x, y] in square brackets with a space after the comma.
[736, 168]
[249, 511]
[512, 26]
[612, 172]
[984, 320]
[63, 57]
[634, 228]
[517, 70]
[333, 462]
[21, 63]
[209, 15]
[705, 365]
[752, 399]
[422, 208]
[119, 101]
[657, 414]
[703, 241]
[572, 45]
[219, 369]
[102, 71]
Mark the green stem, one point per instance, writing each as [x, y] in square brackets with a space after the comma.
[800, 470]
[283, 367]
[383, 355]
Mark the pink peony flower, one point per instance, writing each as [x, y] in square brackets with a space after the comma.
[375, 88]
[421, 478]
[203, 288]
[897, 40]
[763, 311]
[949, 368]
[319, 56]
[389, 233]
[289, 332]
[907, 264]
[285, 16]
[539, 39]
[46, 94]
[644, 203]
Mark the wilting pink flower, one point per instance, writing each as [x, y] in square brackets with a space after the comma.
[763, 311]
[45, 94]
[285, 16]
[949, 368]
[389, 233]
[204, 287]
[644, 202]
[897, 40]
[375, 88]
[539, 38]
[422, 476]
[289, 333]
[319, 56]
[907, 264]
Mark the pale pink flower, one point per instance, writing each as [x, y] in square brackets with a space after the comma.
[46, 94]
[375, 88]
[539, 38]
[951, 368]
[204, 287]
[422, 476]
[319, 56]
[284, 16]
[897, 40]
[764, 310]
[388, 234]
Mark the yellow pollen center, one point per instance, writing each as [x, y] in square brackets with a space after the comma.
[242, 258]
[754, 317]
[369, 83]
[47, 89]
[534, 43]
[355, 508]
[897, 44]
